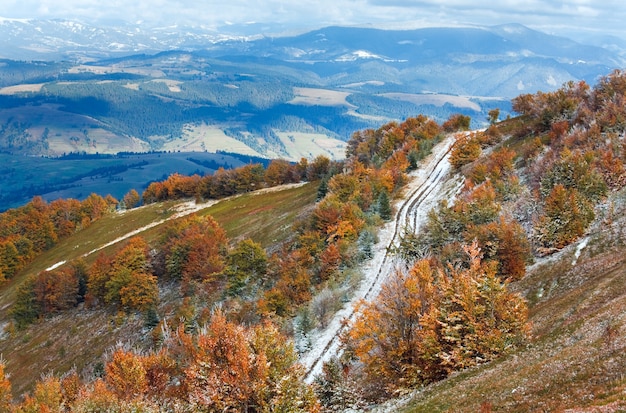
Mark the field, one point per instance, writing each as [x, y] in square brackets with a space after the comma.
[434, 99]
[309, 145]
[321, 97]
[203, 137]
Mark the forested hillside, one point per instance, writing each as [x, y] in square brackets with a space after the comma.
[217, 314]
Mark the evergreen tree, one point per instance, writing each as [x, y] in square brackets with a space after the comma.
[322, 189]
[384, 206]
[26, 308]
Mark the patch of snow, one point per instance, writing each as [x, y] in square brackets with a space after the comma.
[551, 81]
[579, 248]
[57, 265]
[520, 85]
[10, 20]
[118, 46]
[358, 54]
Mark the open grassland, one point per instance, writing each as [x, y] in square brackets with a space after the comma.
[575, 359]
[435, 99]
[266, 218]
[203, 137]
[11, 90]
[309, 145]
[79, 338]
[321, 97]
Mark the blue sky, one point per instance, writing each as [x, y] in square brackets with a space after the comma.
[578, 18]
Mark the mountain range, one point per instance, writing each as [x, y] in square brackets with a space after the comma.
[71, 87]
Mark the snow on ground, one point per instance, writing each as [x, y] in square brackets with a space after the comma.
[579, 248]
[57, 265]
[422, 194]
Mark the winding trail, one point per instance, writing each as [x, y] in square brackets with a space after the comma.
[422, 194]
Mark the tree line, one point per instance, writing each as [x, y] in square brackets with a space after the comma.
[27, 231]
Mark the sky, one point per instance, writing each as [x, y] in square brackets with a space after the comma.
[574, 18]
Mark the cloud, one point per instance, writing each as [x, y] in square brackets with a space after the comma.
[552, 16]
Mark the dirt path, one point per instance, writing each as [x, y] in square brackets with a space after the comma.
[422, 194]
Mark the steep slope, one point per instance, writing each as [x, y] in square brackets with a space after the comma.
[81, 339]
[575, 361]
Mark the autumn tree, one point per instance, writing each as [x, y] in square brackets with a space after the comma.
[56, 290]
[195, 252]
[477, 318]
[457, 122]
[466, 149]
[126, 375]
[130, 284]
[98, 275]
[398, 352]
[232, 368]
[280, 172]
[494, 114]
[503, 241]
[436, 322]
[5, 390]
[224, 374]
[567, 215]
[131, 199]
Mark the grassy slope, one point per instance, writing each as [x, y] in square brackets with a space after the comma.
[575, 357]
[80, 337]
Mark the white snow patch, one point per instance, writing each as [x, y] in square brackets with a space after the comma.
[551, 81]
[358, 54]
[581, 246]
[57, 265]
[520, 85]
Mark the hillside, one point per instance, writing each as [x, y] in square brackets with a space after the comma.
[80, 339]
[507, 295]
[575, 361]
[287, 97]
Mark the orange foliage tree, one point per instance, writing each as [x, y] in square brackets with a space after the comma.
[195, 250]
[466, 149]
[436, 322]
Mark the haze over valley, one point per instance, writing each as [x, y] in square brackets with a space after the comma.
[73, 88]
